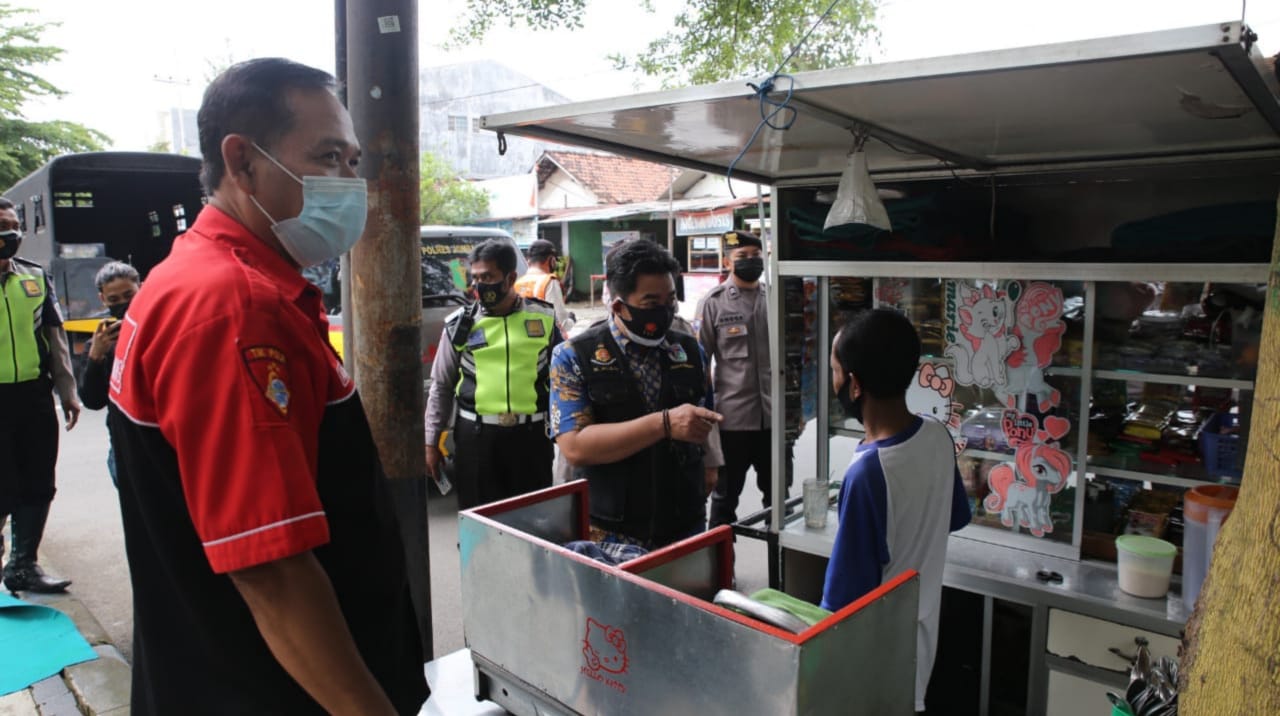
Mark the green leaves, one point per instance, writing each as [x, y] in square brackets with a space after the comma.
[711, 40]
[745, 39]
[481, 16]
[447, 198]
[24, 145]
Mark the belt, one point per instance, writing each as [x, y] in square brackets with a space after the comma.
[505, 420]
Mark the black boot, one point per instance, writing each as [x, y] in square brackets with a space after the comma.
[22, 574]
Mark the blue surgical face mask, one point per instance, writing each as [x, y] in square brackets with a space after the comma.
[332, 219]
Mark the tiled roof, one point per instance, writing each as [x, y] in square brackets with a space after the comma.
[614, 179]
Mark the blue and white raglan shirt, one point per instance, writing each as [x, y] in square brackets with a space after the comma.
[900, 499]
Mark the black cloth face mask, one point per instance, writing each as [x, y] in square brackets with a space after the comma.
[852, 407]
[491, 294]
[749, 269]
[648, 326]
[9, 243]
[117, 310]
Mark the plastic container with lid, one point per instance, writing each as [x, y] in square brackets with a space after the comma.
[1204, 509]
[1146, 564]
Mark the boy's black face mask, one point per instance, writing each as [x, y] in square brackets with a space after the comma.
[852, 407]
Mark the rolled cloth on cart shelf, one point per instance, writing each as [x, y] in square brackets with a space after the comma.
[773, 607]
[610, 553]
[810, 613]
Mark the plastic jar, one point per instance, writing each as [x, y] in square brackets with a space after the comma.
[1203, 510]
[1146, 564]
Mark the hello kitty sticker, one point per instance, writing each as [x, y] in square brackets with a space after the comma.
[931, 394]
[1002, 338]
[604, 649]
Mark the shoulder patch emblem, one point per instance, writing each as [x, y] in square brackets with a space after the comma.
[602, 356]
[268, 367]
[31, 287]
[677, 354]
[534, 328]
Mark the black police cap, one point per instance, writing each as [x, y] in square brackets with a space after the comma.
[737, 239]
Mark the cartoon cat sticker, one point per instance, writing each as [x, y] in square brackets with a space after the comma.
[986, 319]
[604, 648]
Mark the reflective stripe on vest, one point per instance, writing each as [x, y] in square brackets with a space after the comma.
[504, 376]
[23, 297]
[531, 286]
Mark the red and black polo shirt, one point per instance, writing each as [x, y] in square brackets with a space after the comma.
[241, 440]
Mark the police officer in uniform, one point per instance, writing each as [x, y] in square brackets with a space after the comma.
[34, 360]
[540, 282]
[631, 407]
[733, 327]
[493, 363]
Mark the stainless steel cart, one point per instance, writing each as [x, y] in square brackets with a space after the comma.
[553, 632]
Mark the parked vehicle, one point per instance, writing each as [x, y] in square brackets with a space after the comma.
[444, 281]
[81, 211]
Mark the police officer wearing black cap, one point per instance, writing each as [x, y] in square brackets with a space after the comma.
[733, 328]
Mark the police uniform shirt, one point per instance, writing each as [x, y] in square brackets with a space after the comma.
[243, 442]
[41, 350]
[446, 368]
[733, 327]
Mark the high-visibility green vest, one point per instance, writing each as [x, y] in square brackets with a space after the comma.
[503, 360]
[23, 293]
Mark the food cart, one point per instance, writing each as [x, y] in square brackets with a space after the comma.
[1115, 198]
[553, 632]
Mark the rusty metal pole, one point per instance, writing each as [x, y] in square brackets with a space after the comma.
[382, 77]
[344, 263]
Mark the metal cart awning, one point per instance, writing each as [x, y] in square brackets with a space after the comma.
[1179, 93]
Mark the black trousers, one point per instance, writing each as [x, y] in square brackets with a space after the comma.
[28, 444]
[744, 449]
[493, 463]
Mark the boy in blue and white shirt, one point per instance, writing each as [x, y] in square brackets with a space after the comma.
[902, 493]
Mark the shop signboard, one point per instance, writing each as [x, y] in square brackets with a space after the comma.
[704, 223]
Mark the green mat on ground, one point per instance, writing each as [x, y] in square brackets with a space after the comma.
[36, 642]
[804, 611]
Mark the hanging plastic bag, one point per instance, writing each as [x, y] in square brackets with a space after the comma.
[857, 201]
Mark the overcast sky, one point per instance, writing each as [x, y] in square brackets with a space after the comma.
[127, 61]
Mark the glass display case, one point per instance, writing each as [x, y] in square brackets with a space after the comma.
[1147, 384]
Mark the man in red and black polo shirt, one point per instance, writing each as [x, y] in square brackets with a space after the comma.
[268, 572]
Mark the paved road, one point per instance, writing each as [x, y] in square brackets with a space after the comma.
[84, 540]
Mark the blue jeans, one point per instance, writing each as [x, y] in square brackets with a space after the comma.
[111, 465]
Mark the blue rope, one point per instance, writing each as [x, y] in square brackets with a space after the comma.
[764, 89]
[767, 116]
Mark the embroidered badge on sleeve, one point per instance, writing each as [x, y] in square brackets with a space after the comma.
[268, 367]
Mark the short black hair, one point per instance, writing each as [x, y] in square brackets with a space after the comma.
[629, 260]
[250, 98]
[541, 249]
[495, 251]
[5, 204]
[882, 349]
